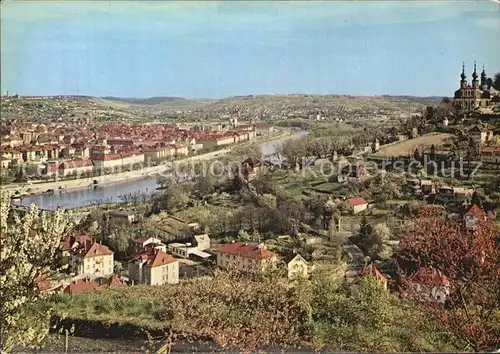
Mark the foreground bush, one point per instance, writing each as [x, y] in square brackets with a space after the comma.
[247, 314]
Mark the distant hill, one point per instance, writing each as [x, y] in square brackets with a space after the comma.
[144, 101]
[302, 105]
[154, 103]
[430, 100]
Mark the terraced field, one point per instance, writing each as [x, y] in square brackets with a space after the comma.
[407, 147]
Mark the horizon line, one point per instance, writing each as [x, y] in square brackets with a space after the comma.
[8, 94]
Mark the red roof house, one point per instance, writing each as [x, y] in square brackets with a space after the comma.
[370, 271]
[79, 286]
[429, 276]
[98, 250]
[357, 205]
[246, 251]
[474, 216]
[430, 284]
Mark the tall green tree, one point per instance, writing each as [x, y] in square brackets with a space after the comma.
[365, 234]
[205, 184]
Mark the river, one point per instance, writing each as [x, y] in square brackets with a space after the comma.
[114, 192]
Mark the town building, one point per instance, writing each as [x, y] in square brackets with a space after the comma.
[68, 168]
[263, 129]
[427, 186]
[252, 167]
[430, 284]
[70, 244]
[357, 205]
[245, 257]
[202, 242]
[142, 242]
[192, 250]
[118, 159]
[129, 216]
[447, 194]
[481, 134]
[491, 155]
[84, 256]
[79, 286]
[153, 267]
[297, 266]
[352, 174]
[158, 153]
[473, 217]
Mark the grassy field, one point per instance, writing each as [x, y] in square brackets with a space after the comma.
[407, 147]
[398, 202]
[328, 187]
[115, 306]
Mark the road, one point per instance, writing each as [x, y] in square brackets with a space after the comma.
[355, 257]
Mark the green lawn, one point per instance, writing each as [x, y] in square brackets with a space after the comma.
[328, 187]
[379, 212]
[398, 202]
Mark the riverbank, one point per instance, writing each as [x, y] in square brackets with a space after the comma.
[105, 180]
[83, 183]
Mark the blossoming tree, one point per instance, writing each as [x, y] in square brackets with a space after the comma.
[28, 247]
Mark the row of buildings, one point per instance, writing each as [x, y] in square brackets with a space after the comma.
[90, 263]
[65, 150]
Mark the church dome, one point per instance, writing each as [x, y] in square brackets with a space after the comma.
[458, 94]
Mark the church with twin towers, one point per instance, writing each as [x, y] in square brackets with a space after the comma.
[479, 93]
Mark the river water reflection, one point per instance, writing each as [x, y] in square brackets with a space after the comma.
[115, 192]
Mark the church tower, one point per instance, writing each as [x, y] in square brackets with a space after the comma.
[483, 79]
[463, 81]
[475, 81]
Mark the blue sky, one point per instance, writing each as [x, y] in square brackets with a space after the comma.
[220, 49]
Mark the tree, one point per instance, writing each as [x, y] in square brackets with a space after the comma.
[381, 233]
[382, 251]
[117, 267]
[290, 214]
[28, 250]
[264, 184]
[205, 184]
[163, 181]
[338, 240]
[316, 205]
[469, 258]
[248, 151]
[268, 201]
[243, 236]
[496, 81]
[172, 199]
[293, 151]
[119, 237]
[365, 234]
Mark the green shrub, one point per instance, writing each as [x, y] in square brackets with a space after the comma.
[102, 305]
[61, 298]
[162, 314]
